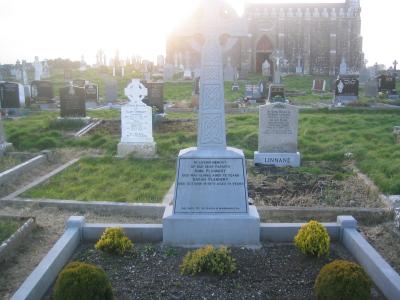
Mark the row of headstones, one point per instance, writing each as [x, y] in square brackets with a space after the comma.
[348, 86]
[14, 95]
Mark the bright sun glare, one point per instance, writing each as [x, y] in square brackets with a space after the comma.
[72, 28]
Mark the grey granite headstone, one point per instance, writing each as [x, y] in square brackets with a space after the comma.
[371, 89]
[210, 200]
[72, 102]
[278, 130]
[111, 87]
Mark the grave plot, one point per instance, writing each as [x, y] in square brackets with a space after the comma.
[315, 184]
[151, 271]
[109, 179]
[13, 231]
[7, 162]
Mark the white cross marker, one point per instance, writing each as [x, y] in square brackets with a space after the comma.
[135, 91]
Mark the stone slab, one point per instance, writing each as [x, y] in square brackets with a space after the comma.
[140, 150]
[211, 181]
[196, 230]
[277, 159]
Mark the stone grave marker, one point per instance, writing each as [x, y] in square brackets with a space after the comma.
[79, 83]
[42, 90]
[92, 92]
[155, 95]
[210, 200]
[319, 85]
[37, 65]
[371, 89]
[235, 87]
[343, 67]
[72, 102]
[277, 141]
[111, 87]
[169, 72]
[387, 83]
[10, 94]
[136, 123]
[276, 93]
[346, 89]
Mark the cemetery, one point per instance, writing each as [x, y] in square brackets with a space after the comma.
[177, 181]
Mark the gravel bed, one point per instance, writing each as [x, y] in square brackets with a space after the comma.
[276, 271]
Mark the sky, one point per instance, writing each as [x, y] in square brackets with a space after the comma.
[72, 28]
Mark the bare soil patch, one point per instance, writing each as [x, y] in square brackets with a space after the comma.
[276, 271]
[331, 186]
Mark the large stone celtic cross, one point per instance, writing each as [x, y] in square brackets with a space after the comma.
[215, 20]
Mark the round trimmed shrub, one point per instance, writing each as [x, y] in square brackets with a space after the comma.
[313, 239]
[208, 260]
[82, 281]
[114, 241]
[342, 280]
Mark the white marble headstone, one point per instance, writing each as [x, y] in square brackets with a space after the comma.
[136, 116]
[37, 65]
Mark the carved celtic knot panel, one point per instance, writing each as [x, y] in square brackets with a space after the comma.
[211, 97]
[212, 132]
[211, 73]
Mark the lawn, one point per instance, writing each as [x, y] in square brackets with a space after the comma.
[7, 228]
[110, 179]
[324, 135]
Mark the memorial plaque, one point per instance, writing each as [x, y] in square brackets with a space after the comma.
[92, 92]
[278, 128]
[226, 179]
[9, 95]
[42, 90]
[155, 97]
[72, 102]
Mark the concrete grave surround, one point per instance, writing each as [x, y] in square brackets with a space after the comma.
[277, 141]
[210, 202]
[136, 124]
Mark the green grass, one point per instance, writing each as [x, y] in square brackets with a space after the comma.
[110, 179]
[7, 228]
[323, 136]
[7, 162]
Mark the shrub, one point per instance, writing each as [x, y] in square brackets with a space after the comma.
[208, 260]
[82, 281]
[342, 280]
[114, 241]
[313, 239]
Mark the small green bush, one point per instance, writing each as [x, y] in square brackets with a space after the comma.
[114, 241]
[342, 280]
[313, 239]
[208, 260]
[82, 281]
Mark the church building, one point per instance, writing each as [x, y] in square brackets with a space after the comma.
[307, 38]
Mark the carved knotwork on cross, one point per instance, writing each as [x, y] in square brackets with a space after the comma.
[213, 21]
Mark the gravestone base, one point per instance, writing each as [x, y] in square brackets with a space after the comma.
[197, 230]
[277, 159]
[139, 150]
[344, 100]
